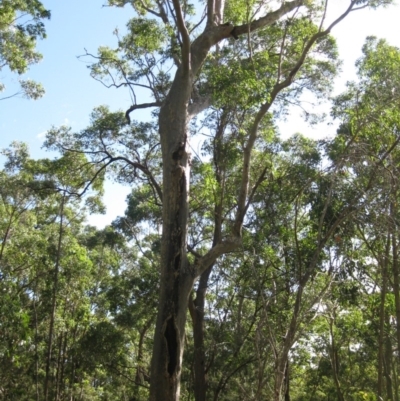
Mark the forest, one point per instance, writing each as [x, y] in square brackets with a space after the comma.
[257, 268]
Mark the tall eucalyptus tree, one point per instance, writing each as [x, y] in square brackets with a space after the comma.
[241, 61]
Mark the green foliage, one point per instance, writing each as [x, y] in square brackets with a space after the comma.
[145, 36]
[306, 307]
[89, 328]
[247, 80]
[239, 11]
[21, 24]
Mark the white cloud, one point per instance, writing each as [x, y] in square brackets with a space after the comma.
[41, 135]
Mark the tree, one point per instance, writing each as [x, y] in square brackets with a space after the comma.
[64, 312]
[280, 51]
[21, 24]
[305, 309]
[372, 124]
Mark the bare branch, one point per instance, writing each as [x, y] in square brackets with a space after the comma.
[324, 15]
[185, 36]
[256, 185]
[140, 106]
[145, 170]
[149, 10]
[199, 23]
[9, 97]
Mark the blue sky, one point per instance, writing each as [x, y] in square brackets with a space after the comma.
[71, 94]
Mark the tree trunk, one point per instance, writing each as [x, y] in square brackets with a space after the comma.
[197, 306]
[54, 303]
[388, 360]
[382, 312]
[287, 382]
[63, 363]
[279, 380]
[335, 360]
[58, 368]
[395, 267]
[6, 234]
[396, 382]
[141, 374]
[197, 314]
[176, 278]
[36, 339]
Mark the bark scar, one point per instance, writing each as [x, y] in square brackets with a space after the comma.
[179, 152]
[171, 337]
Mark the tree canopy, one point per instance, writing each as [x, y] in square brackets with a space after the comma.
[21, 24]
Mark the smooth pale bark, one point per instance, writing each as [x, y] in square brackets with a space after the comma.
[176, 278]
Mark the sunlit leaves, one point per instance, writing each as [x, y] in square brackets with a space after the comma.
[239, 11]
[248, 78]
[20, 26]
[32, 89]
[144, 36]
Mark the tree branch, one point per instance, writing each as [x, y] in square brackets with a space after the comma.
[268, 19]
[210, 12]
[185, 36]
[140, 106]
[214, 34]
[278, 87]
[214, 253]
[143, 169]
[199, 105]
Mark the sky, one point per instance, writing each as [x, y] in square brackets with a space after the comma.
[71, 95]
